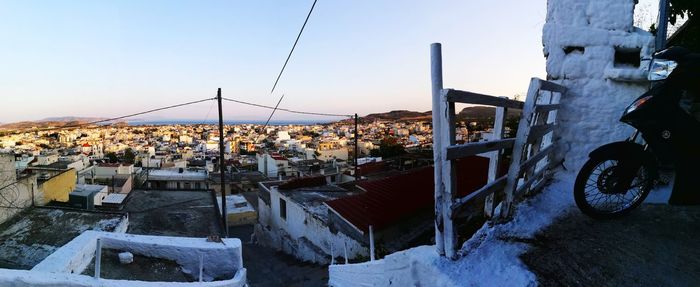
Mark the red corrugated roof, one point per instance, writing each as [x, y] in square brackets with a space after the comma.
[391, 199]
[371, 167]
[277, 156]
[300, 182]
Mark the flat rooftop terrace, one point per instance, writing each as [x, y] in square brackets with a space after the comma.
[172, 213]
[35, 233]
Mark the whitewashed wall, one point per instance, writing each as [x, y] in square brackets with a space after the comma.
[598, 89]
[17, 196]
[286, 235]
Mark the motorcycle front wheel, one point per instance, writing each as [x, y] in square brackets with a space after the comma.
[596, 196]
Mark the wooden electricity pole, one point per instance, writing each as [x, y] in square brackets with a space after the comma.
[222, 166]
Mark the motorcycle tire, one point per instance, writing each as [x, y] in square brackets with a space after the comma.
[583, 180]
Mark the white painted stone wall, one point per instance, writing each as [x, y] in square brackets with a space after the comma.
[221, 260]
[599, 90]
[15, 197]
[286, 234]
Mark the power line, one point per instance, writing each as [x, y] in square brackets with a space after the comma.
[293, 46]
[272, 113]
[286, 110]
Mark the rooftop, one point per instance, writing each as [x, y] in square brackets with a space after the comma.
[312, 198]
[35, 233]
[87, 189]
[114, 198]
[172, 213]
[235, 204]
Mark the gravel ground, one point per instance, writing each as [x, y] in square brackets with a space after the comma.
[172, 213]
[35, 233]
[656, 245]
[143, 268]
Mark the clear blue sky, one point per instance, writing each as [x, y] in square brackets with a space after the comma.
[107, 58]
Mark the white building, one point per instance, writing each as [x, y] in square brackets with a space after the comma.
[108, 170]
[296, 222]
[272, 165]
[178, 179]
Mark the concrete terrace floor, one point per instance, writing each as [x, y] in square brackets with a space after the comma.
[32, 235]
[172, 213]
[655, 245]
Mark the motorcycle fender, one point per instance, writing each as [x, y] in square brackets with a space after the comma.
[628, 150]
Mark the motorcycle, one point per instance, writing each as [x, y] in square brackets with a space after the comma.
[618, 176]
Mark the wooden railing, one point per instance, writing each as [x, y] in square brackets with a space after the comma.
[532, 151]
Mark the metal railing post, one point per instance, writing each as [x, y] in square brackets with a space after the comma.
[371, 243]
[98, 258]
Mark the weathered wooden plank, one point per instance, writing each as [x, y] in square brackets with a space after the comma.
[457, 96]
[495, 158]
[532, 161]
[447, 138]
[518, 148]
[436, 83]
[536, 132]
[519, 192]
[469, 149]
[463, 203]
[552, 87]
[545, 179]
[546, 108]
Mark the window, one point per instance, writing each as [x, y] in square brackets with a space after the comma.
[283, 209]
[627, 57]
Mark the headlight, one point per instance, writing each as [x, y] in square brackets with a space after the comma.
[661, 69]
[638, 103]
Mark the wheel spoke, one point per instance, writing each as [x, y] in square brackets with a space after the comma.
[597, 191]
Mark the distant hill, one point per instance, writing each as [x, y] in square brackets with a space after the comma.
[70, 119]
[468, 113]
[48, 122]
[482, 112]
[398, 115]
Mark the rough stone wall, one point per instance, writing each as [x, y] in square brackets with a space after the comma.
[15, 194]
[581, 39]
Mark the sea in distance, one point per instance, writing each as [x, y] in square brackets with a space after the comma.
[216, 122]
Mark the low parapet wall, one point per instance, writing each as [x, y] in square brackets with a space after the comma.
[21, 278]
[220, 260]
[359, 274]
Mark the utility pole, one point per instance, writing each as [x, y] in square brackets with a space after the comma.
[662, 27]
[357, 154]
[222, 167]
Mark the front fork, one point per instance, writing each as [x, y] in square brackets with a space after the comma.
[627, 169]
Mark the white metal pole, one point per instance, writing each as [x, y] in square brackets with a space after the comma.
[98, 258]
[345, 244]
[436, 83]
[662, 26]
[332, 254]
[201, 266]
[371, 244]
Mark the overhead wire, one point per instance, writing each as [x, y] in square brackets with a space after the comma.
[285, 110]
[289, 56]
[273, 112]
[293, 46]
